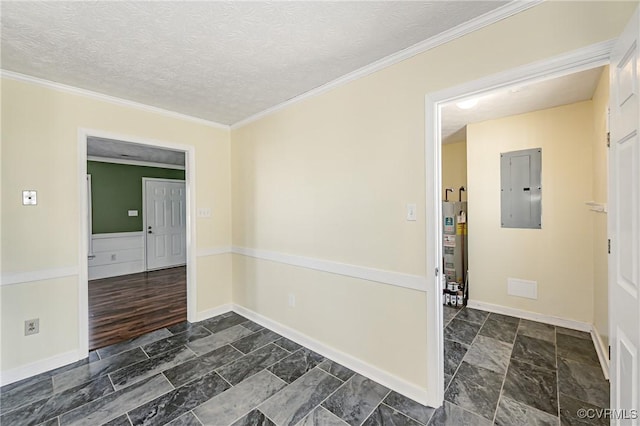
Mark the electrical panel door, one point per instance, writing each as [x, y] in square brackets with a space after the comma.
[521, 189]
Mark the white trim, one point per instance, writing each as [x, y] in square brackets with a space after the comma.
[498, 14]
[533, 316]
[601, 350]
[210, 313]
[383, 377]
[10, 278]
[37, 367]
[108, 98]
[134, 162]
[399, 279]
[578, 60]
[213, 251]
[118, 235]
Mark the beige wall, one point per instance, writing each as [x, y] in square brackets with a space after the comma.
[39, 151]
[330, 177]
[454, 168]
[600, 179]
[554, 256]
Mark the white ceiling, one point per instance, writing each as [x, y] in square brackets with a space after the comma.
[519, 100]
[221, 61]
[108, 148]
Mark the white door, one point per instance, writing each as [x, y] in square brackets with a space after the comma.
[165, 213]
[624, 221]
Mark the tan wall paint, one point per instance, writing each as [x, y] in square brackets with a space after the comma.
[330, 177]
[554, 256]
[39, 151]
[454, 168]
[600, 191]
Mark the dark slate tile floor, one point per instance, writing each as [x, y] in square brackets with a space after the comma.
[228, 370]
[503, 370]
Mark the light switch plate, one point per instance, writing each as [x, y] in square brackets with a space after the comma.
[29, 198]
[204, 212]
[132, 212]
[411, 212]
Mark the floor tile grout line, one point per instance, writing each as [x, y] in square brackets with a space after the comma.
[375, 408]
[197, 418]
[504, 378]
[400, 412]
[128, 418]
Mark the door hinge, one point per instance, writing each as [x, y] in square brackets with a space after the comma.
[609, 352]
[608, 139]
[437, 271]
[609, 246]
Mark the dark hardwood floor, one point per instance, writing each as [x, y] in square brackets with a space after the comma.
[128, 306]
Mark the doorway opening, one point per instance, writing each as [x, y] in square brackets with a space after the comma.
[136, 237]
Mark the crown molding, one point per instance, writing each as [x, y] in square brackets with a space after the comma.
[498, 14]
[108, 98]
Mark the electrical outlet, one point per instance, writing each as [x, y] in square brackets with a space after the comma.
[113, 257]
[32, 326]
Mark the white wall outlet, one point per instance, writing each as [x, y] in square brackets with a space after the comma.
[411, 212]
[132, 212]
[204, 212]
[292, 300]
[113, 256]
[29, 198]
[32, 326]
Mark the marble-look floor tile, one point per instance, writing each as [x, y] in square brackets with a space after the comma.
[250, 364]
[238, 401]
[577, 349]
[538, 330]
[115, 404]
[575, 333]
[356, 399]
[409, 407]
[253, 326]
[531, 385]
[187, 419]
[219, 339]
[322, 417]
[447, 380]
[535, 351]
[295, 401]
[181, 327]
[254, 418]
[119, 421]
[57, 404]
[176, 340]
[127, 345]
[454, 352]
[144, 369]
[336, 370]
[256, 340]
[87, 372]
[448, 313]
[461, 331]
[472, 315]
[583, 382]
[489, 353]
[287, 344]
[475, 389]
[504, 318]
[222, 322]
[198, 367]
[295, 365]
[384, 415]
[511, 412]
[175, 403]
[499, 329]
[26, 394]
[452, 415]
[53, 422]
[569, 408]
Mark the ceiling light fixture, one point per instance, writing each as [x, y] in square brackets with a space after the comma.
[468, 104]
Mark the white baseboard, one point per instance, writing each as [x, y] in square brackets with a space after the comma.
[601, 350]
[35, 368]
[533, 316]
[210, 313]
[387, 379]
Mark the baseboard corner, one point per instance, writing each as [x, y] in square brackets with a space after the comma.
[38, 367]
[210, 313]
[601, 350]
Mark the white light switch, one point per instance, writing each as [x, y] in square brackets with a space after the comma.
[133, 212]
[204, 212]
[411, 212]
[29, 198]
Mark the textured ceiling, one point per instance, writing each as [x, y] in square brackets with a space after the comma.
[221, 61]
[534, 97]
[107, 148]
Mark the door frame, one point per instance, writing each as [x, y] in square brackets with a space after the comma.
[568, 63]
[144, 209]
[190, 187]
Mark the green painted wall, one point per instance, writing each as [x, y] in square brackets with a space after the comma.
[116, 189]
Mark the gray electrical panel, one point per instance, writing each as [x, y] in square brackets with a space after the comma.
[521, 189]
